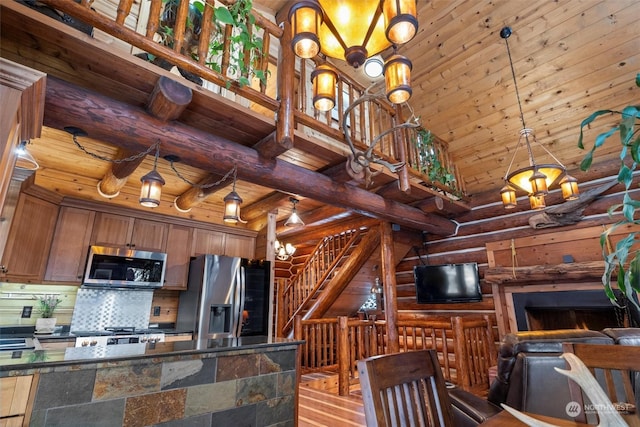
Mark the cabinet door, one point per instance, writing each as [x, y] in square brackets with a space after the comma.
[242, 246]
[29, 241]
[15, 395]
[70, 245]
[207, 242]
[178, 256]
[149, 236]
[112, 230]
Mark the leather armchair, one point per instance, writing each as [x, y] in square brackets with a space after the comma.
[526, 379]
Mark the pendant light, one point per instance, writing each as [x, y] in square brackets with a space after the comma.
[232, 202]
[294, 220]
[324, 87]
[152, 183]
[283, 250]
[535, 179]
[397, 77]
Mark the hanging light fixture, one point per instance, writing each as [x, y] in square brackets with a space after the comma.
[24, 159]
[283, 250]
[324, 87]
[294, 220]
[397, 71]
[534, 179]
[354, 30]
[232, 202]
[152, 183]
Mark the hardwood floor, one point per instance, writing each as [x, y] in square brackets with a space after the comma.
[320, 407]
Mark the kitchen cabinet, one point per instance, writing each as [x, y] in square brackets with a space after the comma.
[14, 399]
[207, 242]
[124, 231]
[242, 246]
[178, 256]
[70, 245]
[29, 241]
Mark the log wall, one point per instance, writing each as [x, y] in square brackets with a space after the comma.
[489, 225]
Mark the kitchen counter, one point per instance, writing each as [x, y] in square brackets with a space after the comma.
[223, 382]
[27, 361]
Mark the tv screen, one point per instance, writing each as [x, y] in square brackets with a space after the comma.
[447, 283]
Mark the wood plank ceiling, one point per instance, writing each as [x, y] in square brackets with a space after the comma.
[570, 58]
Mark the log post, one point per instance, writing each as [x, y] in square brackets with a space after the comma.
[344, 358]
[389, 287]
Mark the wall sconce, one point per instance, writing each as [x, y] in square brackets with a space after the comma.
[294, 220]
[374, 67]
[24, 159]
[232, 202]
[376, 289]
[283, 251]
[152, 185]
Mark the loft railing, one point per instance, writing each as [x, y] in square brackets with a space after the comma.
[465, 346]
[313, 275]
[144, 29]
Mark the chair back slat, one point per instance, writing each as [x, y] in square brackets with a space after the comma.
[616, 365]
[404, 389]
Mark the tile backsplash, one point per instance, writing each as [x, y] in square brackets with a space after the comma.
[15, 296]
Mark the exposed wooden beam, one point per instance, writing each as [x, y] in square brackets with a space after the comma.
[69, 105]
[198, 193]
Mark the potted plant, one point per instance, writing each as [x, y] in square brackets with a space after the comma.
[624, 258]
[47, 304]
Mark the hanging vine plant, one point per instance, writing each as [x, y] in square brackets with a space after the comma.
[429, 163]
[243, 38]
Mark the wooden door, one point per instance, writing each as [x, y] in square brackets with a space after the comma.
[242, 246]
[112, 230]
[29, 241]
[149, 236]
[207, 242]
[178, 255]
[70, 245]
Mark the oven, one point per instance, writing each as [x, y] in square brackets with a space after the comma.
[117, 335]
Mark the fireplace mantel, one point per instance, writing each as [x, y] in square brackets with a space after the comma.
[535, 274]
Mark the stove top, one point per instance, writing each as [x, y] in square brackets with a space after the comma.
[117, 330]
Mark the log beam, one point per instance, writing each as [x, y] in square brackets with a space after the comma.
[69, 105]
[197, 194]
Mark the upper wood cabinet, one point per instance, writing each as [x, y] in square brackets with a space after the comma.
[70, 245]
[178, 257]
[29, 241]
[123, 231]
[207, 242]
[242, 246]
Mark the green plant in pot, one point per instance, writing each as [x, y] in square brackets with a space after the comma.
[624, 258]
[47, 304]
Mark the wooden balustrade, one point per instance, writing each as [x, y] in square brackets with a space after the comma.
[313, 274]
[187, 48]
[464, 345]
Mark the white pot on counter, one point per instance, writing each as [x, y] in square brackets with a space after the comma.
[45, 325]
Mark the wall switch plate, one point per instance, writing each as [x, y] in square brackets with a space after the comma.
[26, 311]
[156, 310]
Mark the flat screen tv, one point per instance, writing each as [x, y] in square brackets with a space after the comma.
[447, 283]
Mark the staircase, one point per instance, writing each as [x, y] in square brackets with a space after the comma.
[305, 294]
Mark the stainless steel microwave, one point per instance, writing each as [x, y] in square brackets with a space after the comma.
[124, 268]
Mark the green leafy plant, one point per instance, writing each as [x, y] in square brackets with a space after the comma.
[243, 37]
[428, 161]
[47, 304]
[624, 259]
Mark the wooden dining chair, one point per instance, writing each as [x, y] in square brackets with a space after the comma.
[404, 389]
[614, 365]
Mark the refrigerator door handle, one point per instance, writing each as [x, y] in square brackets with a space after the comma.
[239, 302]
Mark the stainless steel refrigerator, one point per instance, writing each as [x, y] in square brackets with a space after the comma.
[226, 297]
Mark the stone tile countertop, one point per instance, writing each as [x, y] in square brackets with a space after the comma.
[33, 360]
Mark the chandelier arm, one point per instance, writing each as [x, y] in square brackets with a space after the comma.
[363, 98]
[513, 158]
[372, 25]
[549, 152]
[377, 139]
